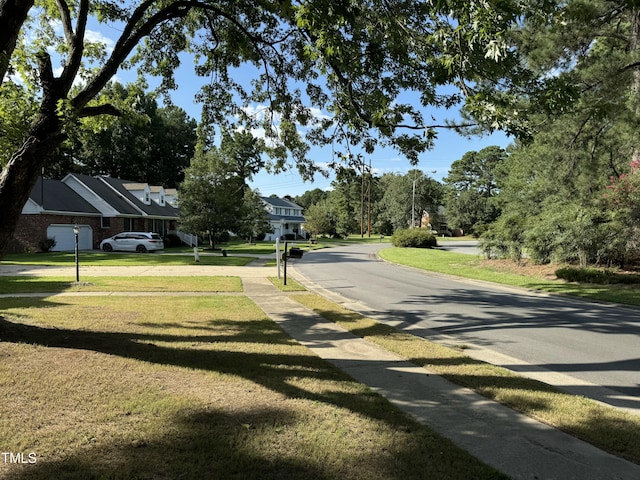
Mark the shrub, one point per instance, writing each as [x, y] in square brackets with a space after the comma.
[594, 275]
[46, 244]
[223, 237]
[172, 240]
[414, 237]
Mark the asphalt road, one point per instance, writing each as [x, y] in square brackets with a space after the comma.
[586, 348]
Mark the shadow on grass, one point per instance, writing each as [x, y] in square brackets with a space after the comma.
[201, 443]
[205, 448]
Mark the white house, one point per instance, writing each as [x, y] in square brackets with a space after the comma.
[286, 218]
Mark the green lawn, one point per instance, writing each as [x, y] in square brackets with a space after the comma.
[469, 266]
[193, 387]
[31, 284]
[124, 259]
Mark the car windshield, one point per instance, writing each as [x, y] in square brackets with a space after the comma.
[155, 236]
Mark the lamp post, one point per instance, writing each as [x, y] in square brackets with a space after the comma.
[76, 230]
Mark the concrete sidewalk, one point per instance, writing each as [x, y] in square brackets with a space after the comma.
[515, 444]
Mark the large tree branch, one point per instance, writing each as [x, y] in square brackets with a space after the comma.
[106, 109]
[13, 14]
[65, 16]
[75, 40]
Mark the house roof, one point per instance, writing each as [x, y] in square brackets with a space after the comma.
[134, 186]
[280, 202]
[152, 210]
[115, 193]
[55, 196]
[118, 201]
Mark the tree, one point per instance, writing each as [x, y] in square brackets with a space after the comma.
[345, 202]
[254, 221]
[472, 185]
[311, 197]
[150, 144]
[243, 152]
[551, 198]
[408, 197]
[355, 58]
[319, 219]
[211, 197]
[555, 183]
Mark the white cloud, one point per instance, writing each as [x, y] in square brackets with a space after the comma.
[98, 37]
[317, 114]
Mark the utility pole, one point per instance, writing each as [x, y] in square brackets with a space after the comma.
[413, 204]
[369, 200]
[362, 199]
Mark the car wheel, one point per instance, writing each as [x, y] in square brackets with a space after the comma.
[141, 249]
[107, 247]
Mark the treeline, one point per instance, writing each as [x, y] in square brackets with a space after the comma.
[361, 203]
[551, 200]
[145, 143]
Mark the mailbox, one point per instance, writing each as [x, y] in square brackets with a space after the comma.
[295, 252]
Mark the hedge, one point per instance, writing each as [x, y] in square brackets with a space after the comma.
[414, 237]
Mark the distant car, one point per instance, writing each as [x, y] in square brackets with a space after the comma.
[140, 242]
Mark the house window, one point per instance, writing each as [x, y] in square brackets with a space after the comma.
[128, 224]
[105, 222]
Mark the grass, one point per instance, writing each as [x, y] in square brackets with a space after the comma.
[291, 286]
[606, 427]
[122, 259]
[193, 387]
[469, 266]
[27, 284]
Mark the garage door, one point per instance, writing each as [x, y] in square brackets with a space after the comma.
[65, 239]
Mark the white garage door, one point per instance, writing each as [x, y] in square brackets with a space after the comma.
[65, 239]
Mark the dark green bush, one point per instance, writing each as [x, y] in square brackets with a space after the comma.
[594, 275]
[172, 240]
[46, 244]
[414, 237]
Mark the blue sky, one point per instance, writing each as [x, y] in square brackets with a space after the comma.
[448, 147]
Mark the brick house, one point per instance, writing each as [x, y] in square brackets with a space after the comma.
[100, 206]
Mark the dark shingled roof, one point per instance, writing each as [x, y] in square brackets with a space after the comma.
[153, 210]
[58, 197]
[117, 201]
[280, 202]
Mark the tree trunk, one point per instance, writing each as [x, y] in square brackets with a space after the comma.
[18, 178]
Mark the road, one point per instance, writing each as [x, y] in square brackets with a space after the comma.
[586, 348]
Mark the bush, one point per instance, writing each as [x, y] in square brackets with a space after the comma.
[46, 244]
[594, 275]
[223, 237]
[414, 237]
[172, 240]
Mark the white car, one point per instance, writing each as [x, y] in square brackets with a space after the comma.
[140, 242]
